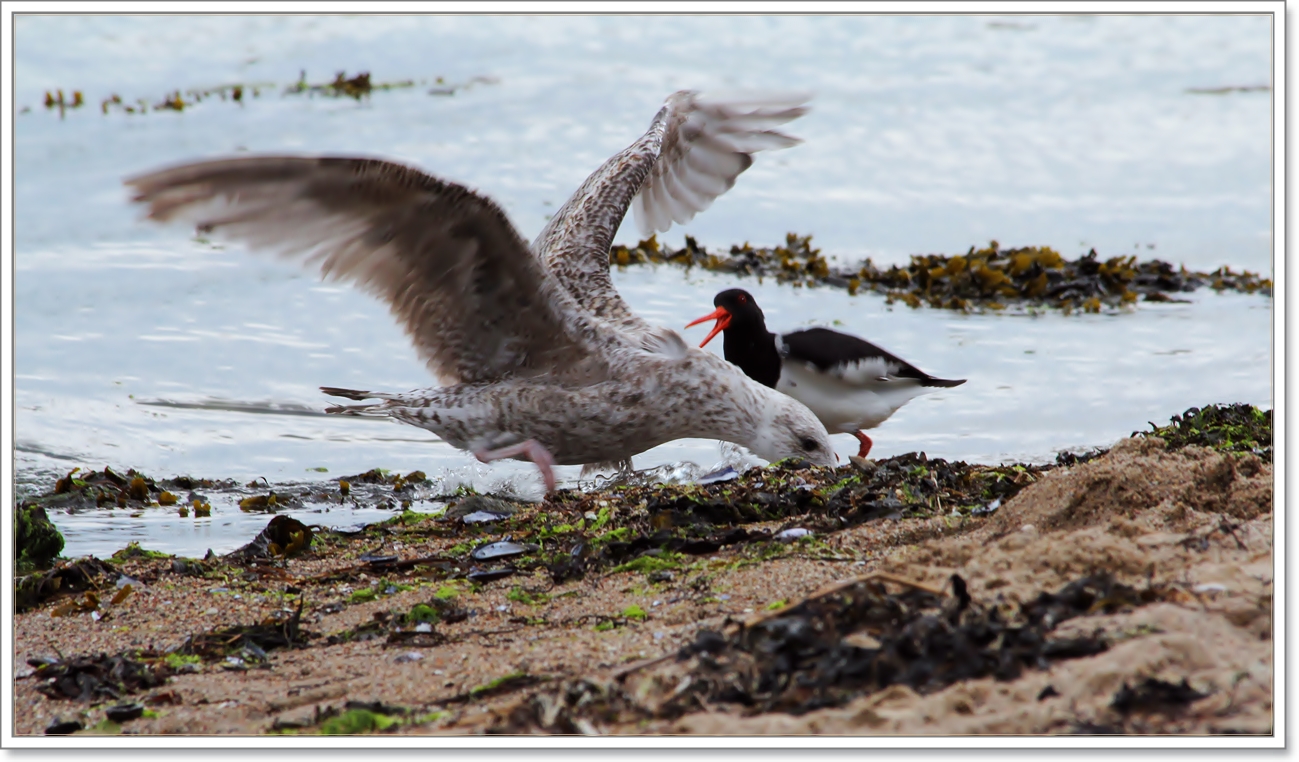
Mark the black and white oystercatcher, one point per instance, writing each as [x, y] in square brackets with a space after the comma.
[538, 356]
[849, 383]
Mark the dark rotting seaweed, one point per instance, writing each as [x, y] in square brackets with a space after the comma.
[96, 677]
[280, 630]
[1153, 695]
[283, 536]
[86, 574]
[810, 655]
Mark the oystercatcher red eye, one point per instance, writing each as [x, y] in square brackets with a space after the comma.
[742, 299]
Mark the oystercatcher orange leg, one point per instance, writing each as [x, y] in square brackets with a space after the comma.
[865, 444]
[535, 452]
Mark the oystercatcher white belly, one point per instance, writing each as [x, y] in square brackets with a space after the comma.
[843, 406]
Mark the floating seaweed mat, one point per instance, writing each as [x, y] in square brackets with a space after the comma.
[93, 678]
[844, 641]
[990, 278]
[90, 489]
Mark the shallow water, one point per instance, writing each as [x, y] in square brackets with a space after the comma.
[139, 346]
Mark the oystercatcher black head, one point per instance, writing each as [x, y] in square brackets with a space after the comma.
[746, 342]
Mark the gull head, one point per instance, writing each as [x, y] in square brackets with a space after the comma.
[787, 429]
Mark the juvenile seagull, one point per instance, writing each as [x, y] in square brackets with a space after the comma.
[849, 383]
[537, 355]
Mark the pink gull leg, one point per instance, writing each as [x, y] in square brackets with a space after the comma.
[531, 448]
[865, 448]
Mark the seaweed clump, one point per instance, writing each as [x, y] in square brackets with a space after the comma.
[796, 262]
[850, 639]
[1225, 428]
[99, 489]
[913, 485]
[249, 643]
[342, 86]
[87, 575]
[284, 536]
[989, 278]
[700, 519]
[39, 542]
[57, 100]
[96, 677]
[993, 278]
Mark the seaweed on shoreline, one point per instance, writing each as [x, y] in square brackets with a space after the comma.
[812, 654]
[413, 585]
[649, 528]
[1225, 428]
[89, 678]
[987, 279]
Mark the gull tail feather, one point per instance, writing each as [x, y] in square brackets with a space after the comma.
[376, 409]
[351, 394]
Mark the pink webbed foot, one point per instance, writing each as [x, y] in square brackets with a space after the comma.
[534, 451]
[866, 444]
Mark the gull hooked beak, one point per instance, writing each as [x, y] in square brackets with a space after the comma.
[723, 319]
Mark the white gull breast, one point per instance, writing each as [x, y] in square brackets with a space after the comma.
[537, 354]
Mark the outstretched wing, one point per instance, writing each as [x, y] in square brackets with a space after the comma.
[476, 302]
[692, 153]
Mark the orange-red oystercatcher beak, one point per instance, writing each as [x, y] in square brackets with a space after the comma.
[723, 319]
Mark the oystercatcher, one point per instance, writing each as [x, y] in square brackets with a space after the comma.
[849, 383]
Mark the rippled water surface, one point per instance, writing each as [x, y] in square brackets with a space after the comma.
[144, 347]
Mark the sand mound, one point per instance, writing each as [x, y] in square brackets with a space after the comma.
[1194, 520]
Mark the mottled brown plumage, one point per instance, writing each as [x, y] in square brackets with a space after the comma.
[538, 355]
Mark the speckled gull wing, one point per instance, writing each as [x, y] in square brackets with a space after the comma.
[476, 302]
[693, 151]
[707, 143]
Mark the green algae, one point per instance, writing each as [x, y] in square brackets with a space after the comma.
[363, 596]
[519, 595]
[356, 722]
[1235, 428]
[38, 541]
[502, 684]
[133, 550]
[422, 613]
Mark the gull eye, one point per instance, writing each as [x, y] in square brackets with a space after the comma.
[808, 443]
